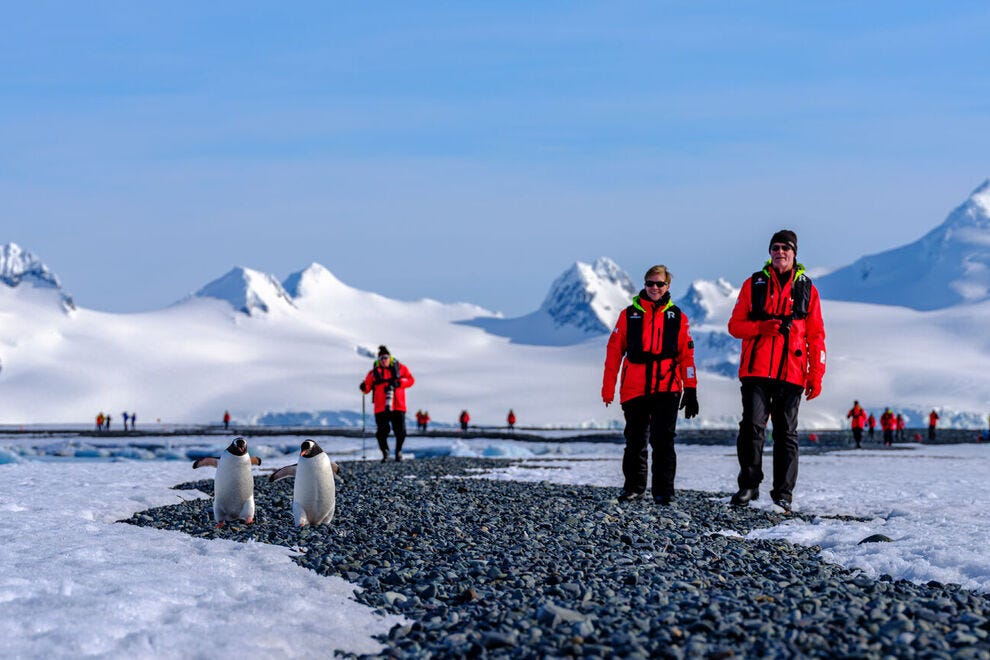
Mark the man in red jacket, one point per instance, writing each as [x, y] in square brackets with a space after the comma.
[858, 417]
[652, 341]
[932, 421]
[387, 381]
[778, 316]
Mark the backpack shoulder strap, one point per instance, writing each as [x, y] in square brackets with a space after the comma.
[758, 285]
[634, 335]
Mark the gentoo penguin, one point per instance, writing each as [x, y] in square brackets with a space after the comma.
[233, 487]
[314, 494]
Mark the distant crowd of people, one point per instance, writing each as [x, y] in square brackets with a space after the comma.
[891, 424]
[103, 421]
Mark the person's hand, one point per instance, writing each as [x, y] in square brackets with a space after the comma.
[689, 402]
[396, 383]
[607, 396]
[812, 390]
[362, 387]
[769, 327]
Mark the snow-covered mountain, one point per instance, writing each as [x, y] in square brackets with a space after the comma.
[948, 266]
[249, 291]
[295, 351]
[583, 302]
[18, 266]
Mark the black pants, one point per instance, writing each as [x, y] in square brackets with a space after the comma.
[397, 418]
[888, 437]
[931, 432]
[763, 399]
[650, 418]
[858, 436]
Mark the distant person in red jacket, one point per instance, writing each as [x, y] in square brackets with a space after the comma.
[889, 424]
[226, 420]
[932, 421]
[872, 422]
[426, 420]
[387, 381]
[778, 316]
[900, 427]
[510, 419]
[464, 419]
[652, 344]
[858, 417]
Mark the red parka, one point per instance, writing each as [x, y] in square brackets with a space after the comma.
[932, 419]
[666, 375]
[858, 417]
[388, 372]
[887, 421]
[762, 355]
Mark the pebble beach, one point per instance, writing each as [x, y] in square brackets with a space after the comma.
[503, 568]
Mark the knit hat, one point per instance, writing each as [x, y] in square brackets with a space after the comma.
[787, 237]
[382, 350]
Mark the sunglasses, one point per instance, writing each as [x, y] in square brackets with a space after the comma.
[650, 283]
[777, 247]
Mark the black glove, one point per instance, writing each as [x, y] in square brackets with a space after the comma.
[395, 383]
[689, 402]
[362, 387]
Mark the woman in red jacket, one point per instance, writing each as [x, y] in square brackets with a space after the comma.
[652, 342]
[387, 381]
[778, 316]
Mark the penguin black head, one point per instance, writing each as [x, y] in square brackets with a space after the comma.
[309, 449]
[238, 447]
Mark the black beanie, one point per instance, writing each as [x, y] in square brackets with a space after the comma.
[785, 236]
[382, 351]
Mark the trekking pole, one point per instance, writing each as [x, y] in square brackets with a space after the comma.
[363, 455]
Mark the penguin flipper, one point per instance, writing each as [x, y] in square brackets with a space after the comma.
[282, 473]
[210, 461]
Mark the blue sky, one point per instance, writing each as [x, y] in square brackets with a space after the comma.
[473, 151]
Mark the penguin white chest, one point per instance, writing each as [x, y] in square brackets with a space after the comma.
[233, 489]
[314, 493]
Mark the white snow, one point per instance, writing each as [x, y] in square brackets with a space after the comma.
[76, 583]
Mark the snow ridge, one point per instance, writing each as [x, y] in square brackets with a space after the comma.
[948, 266]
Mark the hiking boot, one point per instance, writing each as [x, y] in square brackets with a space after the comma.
[743, 497]
[398, 456]
[663, 500]
[783, 501]
[628, 496]
[384, 456]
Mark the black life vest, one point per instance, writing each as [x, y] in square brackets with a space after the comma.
[634, 335]
[800, 293]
